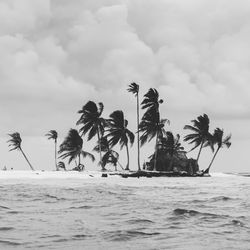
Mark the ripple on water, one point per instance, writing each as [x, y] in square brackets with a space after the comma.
[6, 228]
[125, 235]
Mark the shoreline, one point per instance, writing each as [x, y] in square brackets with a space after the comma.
[87, 174]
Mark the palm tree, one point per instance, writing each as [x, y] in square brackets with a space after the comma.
[52, 134]
[151, 125]
[200, 133]
[110, 155]
[134, 89]
[220, 141]
[171, 145]
[15, 143]
[61, 164]
[92, 122]
[71, 148]
[118, 132]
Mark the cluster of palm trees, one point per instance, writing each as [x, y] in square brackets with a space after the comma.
[201, 137]
[112, 131]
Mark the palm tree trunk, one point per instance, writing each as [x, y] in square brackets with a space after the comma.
[138, 135]
[207, 170]
[79, 158]
[156, 151]
[56, 155]
[100, 151]
[27, 159]
[127, 167]
[200, 151]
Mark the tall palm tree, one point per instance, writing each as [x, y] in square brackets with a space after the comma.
[134, 89]
[52, 134]
[110, 155]
[15, 143]
[151, 125]
[118, 132]
[92, 122]
[219, 140]
[200, 133]
[71, 148]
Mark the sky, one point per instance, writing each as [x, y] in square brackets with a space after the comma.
[55, 55]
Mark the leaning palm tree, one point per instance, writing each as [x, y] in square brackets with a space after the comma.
[110, 156]
[15, 143]
[52, 134]
[134, 89]
[71, 148]
[200, 133]
[92, 122]
[152, 127]
[151, 124]
[220, 141]
[118, 132]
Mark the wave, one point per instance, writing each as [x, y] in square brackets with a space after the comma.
[181, 211]
[124, 235]
[3, 207]
[138, 221]
[10, 243]
[81, 207]
[6, 228]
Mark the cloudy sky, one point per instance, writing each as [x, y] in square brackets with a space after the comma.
[55, 55]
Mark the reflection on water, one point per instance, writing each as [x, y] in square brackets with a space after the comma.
[117, 213]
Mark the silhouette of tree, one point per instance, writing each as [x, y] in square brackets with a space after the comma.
[151, 125]
[52, 134]
[71, 148]
[117, 132]
[110, 156]
[134, 89]
[92, 122]
[171, 145]
[200, 133]
[15, 142]
[219, 140]
[61, 164]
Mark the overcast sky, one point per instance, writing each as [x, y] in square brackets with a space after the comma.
[55, 55]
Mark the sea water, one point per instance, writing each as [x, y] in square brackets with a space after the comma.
[117, 213]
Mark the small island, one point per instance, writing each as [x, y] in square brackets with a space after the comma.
[168, 158]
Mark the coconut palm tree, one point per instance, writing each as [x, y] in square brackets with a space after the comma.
[200, 133]
[52, 134]
[171, 145]
[93, 123]
[71, 148]
[110, 155]
[15, 143]
[151, 125]
[134, 89]
[118, 132]
[219, 140]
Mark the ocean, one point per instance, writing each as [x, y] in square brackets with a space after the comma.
[117, 213]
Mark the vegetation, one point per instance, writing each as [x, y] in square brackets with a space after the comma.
[200, 133]
[71, 148]
[219, 140]
[168, 155]
[151, 125]
[15, 142]
[92, 122]
[52, 134]
[118, 132]
[110, 156]
[134, 89]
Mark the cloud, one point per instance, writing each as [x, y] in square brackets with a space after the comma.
[55, 55]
